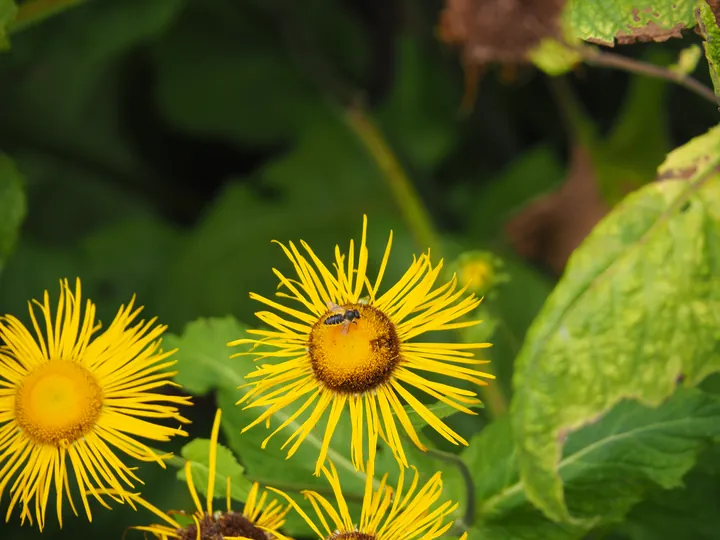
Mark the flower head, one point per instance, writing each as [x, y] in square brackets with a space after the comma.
[71, 397]
[386, 514]
[340, 350]
[259, 520]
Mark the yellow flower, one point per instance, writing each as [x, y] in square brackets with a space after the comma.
[385, 515]
[67, 398]
[259, 519]
[367, 362]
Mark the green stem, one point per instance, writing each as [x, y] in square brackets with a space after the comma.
[36, 11]
[468, 518]
[416, 215]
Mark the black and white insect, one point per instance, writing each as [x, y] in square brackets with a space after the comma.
[343, 316]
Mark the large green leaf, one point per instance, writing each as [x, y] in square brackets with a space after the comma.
[203, 355]
[637, 307]
[607, 467]
[327, 182]
[689, 511]
[627, 21]
[12, 206]
[709, 24]
[263, 96]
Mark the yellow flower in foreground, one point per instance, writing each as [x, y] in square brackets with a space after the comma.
[259, 519]
[385, 515]
[67, 398]
[366, 362]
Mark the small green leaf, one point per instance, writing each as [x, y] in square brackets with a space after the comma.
[709, 25]
[555, 57]
[607, 467]
[12, 206]
[687, 60]
[8, 10]
[203, 355]
[627, 21]
[198, 452]
[638, 306]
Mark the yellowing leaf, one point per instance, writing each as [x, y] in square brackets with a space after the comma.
[710, 28]
[637, 307]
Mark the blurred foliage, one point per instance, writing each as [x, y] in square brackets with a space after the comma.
[157, 147]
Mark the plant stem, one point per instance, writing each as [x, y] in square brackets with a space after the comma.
[411, 206]
[468, 518]
[597, 58]
[36, 11]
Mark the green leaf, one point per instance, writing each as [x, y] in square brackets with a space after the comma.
[627, 21]
[687, 60]
[8, 10]
[607, 467]
[420, 114]
[197, 92]
[12, 206]
[327, 182]
[555, 57]
[637, 306]
[689, 511]
[628, 157]
[709, 24]
[198, 452]
[203, 355]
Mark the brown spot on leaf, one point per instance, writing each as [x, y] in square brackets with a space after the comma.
[499, 30]
[649, 31]
[681, 174]
[548, 230]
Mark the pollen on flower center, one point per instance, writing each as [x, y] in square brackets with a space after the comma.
[358, 358]
[58, 403]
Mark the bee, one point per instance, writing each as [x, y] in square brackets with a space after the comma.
[342, 316]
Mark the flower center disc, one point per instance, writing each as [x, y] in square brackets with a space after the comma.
[232, 524]
[58, 403]
[354, 357]
[351, 536]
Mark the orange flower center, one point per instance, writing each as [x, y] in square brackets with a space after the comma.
[351, 536]
[58, 403]
[354, 357]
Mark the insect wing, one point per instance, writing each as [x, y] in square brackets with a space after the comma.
[332, 306]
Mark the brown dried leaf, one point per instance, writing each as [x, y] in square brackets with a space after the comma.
[499, 30]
